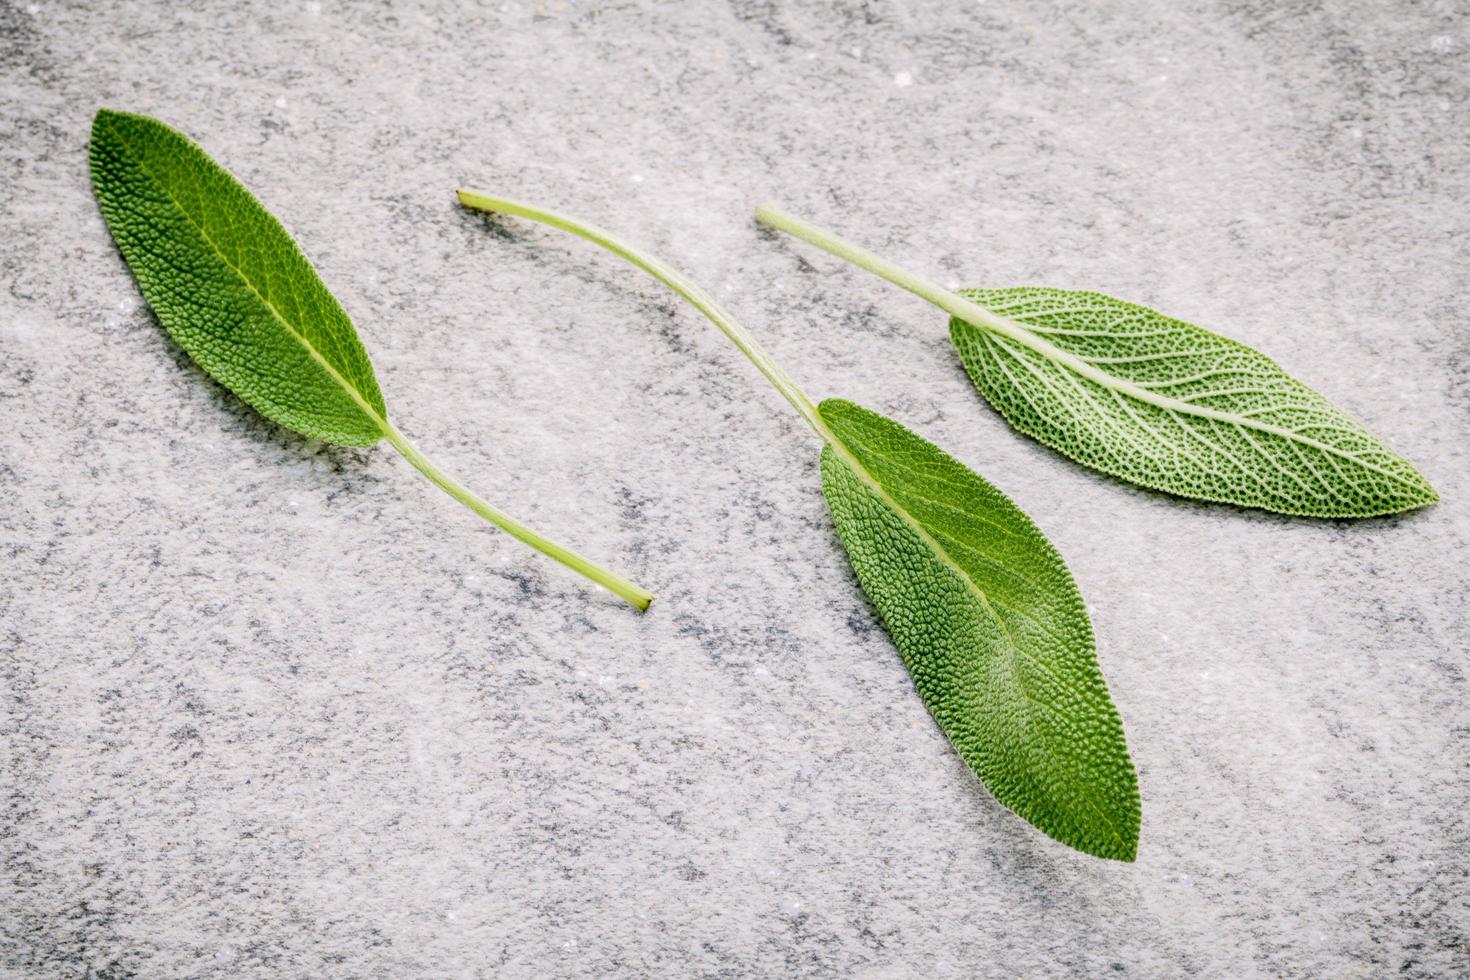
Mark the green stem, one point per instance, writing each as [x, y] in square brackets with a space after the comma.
[947, 300]
[722, 319]
[674, 280]
[614, 583]
[957, 306]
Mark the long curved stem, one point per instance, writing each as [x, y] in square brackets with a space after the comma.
[672, 278]
[613, 583]
[722, 319]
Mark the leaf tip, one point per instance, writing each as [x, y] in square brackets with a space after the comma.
[102, 119]
[1417, 493]
[105, 117]
[1115, 847]
[1118, 840]
[1428, 494]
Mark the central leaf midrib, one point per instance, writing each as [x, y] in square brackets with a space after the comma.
[380, 421]
[914, 524]
[982, 319]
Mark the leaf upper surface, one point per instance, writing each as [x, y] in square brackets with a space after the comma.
[990, 624]
[230, 285]
[1171, 406]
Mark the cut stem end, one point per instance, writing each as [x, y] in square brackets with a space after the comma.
[629, 592]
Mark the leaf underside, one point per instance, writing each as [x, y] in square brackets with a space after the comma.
[230, 285]
[1178, 408]
[991, 627]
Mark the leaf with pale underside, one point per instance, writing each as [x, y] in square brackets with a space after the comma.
[1168, 405]
[1163, 403]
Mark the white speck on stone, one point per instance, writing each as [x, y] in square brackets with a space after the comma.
[312, 7]
[903, 79]
[474, 583]
[636, 178]
[761, 673]
[790, 906]
[857, 52]
[280, 102]
[33, 9]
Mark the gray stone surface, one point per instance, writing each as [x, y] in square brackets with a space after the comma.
[271, 708]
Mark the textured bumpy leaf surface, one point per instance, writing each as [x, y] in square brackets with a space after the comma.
[1168, 405]
[229, 284]
[990, 625]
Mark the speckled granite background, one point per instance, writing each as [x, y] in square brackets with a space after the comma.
[271, 709]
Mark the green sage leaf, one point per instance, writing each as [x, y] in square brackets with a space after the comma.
[1154, 400]
[230, 285]
[233, 289]
[990, 625]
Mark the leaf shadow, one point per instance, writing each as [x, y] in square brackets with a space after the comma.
[499, 225]
[545, 247]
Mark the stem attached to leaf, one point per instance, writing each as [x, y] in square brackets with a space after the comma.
[947, 300]
[614, 583]
[674, 280]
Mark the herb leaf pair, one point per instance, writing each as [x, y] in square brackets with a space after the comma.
[981, 607]
[1154, 400]
[232, 288]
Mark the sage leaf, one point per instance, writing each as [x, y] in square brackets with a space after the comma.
[231, 287]
[983, 611]
[1156, 401]
[990, 625]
